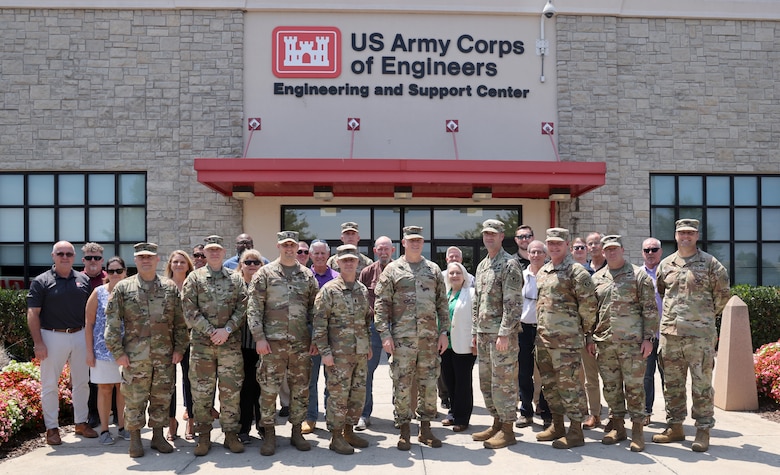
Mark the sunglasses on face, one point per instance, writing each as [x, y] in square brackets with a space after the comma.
[524, 236]
[303, 251]
[578, 248]
[199, 255]
[64, 254]
[651, 250]
[93, 258]
[115, 271]
[251, 262]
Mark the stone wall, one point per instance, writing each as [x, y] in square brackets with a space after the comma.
[663, 95]
[123, 90]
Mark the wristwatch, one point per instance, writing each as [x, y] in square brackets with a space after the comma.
[228, 329]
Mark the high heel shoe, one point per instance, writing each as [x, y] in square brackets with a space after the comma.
[173, 428]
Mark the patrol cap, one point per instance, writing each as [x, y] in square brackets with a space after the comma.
[686, 224]
[613, 240]
[346, 251]
[349, 226]
[145, 249]
[492, 226]
[413, 232]
[557, 234]
[213, 241]
[285, 236]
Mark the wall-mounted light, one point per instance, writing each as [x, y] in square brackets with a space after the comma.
[324, 193]
[243, 192]
[481, 193]
[560, 194]
[402, 193]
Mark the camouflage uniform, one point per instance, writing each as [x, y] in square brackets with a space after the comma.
[363, 262]
[279, 310]
[213, 300]
[497, 306]
[411, 307]
[627, 316]
[694, 290]
[565, 312]
[341, 330]
[154, 329]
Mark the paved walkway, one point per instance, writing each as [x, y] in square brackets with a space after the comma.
[742, 443]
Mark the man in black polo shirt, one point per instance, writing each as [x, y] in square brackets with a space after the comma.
[55, 315]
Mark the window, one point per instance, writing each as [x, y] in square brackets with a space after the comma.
[39, 209]
[442, 227]
[740, 220]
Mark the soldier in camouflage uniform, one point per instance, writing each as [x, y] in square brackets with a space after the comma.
[497, 306]
[341, 334]
[214, 300]
[281, 304]
[350, 235]
[146, 334]
[625, 329]
[411, 315]
[695, 289]
[565, 312]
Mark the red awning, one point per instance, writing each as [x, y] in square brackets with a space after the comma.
[360, 177]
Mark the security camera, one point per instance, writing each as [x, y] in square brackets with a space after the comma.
[549, 10]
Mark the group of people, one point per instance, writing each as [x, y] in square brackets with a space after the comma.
[261, 330]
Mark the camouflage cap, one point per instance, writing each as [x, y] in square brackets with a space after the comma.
[285, 236]
[687, 224]
[346, 251]
[213, 241]
[413, 232]
[349, 226]
[557, 234]
[492, 226]
[145, 249]
[613, 240]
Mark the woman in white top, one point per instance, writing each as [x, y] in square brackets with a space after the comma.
[457, 362]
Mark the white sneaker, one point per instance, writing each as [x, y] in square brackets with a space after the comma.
[363, 422]
[123, 433]
[106, 439]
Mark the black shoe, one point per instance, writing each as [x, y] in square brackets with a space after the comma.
[445, 405]
[93, 420]
[284, 411]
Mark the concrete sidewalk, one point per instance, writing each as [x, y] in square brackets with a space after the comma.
[742, 443]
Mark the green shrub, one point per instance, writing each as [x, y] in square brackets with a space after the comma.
[764, 307]
[14, 333]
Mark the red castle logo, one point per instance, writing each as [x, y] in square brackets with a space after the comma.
[306, 52]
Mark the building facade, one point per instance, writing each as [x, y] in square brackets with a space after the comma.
[172, 121]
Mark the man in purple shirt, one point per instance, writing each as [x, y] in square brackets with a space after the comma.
[319, 252]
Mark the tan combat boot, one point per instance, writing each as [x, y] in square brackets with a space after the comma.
[426, 436]
[404, 440]
[573, 438]
[353, 439]
[616, 434]
[136, 447]
[159, 443]
[269, 440]
[489, 432]
[673, 433]
[297, 439]
[338, 444]
[555, 431]
[503, 438]
[204, 441]
[232, 443]
[702, 441]
[637, 436]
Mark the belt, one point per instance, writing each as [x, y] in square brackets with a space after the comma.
[65, 330]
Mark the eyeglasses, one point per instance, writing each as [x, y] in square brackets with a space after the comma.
[651, 250]
[64, 254]
[578, 248]
[115, 271]
[199, 255]
[524, 236]
[93, 258]
[303, 251]
[251, 262]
